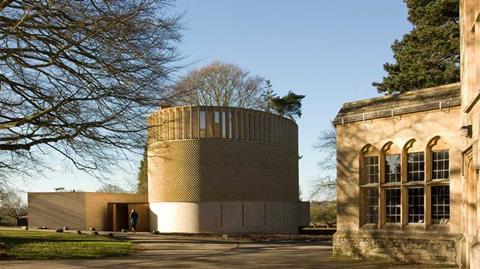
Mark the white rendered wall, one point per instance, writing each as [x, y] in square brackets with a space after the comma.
[225, 217]
[174, 217]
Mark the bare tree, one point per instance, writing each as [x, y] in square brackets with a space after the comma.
[111, 188]
[327, 144]
[220, 84]
[323, 213]
[11, 207]
[79, 77]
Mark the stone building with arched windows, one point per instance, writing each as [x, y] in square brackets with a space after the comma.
[399, 183]
[408, 168]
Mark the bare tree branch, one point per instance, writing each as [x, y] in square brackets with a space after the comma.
[79, 78]
[220, 84]
[326, 184]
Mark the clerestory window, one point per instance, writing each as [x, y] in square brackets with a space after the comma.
[392, 168]
[440, 164]
[371, 169]
[416, 166]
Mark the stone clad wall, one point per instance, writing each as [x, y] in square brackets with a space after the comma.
[475, 259]
[422, 127]
[470, 71]
[425, 241]
[406, 247]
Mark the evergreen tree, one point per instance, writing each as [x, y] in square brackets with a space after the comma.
[142, 178]
[267, 95]
[429, 55]
[289, 106]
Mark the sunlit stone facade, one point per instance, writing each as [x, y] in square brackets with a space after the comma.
[408, 165]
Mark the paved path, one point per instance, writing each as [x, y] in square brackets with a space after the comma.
[190, 252]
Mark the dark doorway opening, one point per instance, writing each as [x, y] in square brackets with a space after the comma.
[121, 217]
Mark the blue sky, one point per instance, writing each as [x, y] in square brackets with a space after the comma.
[331, 51]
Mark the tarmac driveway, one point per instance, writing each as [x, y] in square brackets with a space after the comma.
[191, 252]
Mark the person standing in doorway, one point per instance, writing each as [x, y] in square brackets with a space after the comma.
[133, 220]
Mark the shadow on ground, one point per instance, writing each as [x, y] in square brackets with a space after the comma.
[189, 252]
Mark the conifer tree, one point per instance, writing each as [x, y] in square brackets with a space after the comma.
[142, 178]
[289, 106]
[429, 55]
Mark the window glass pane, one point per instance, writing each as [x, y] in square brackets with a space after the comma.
[209, 122]
[163, 125]
[203, 124]
[166, 125]
[224, 124]
[252, 126]
[269, 136]
[171, 124]
[267, 129]
[392, 205]
[392, 168]
[440, 204]
[195, 122]
[246, 125]
[415, 205]
[371, 169]
[372, 205]
[241, 125]
[261, 127]
[216, 124]
[186, 123]
[416, 166]
[230, 125]
[257, 125]
[440, 165]
[179, 123]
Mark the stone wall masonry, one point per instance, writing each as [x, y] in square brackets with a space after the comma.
[431, 248]
[475, 257]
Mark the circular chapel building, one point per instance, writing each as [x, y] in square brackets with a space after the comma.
[223, 170]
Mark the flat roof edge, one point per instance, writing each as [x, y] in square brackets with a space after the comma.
[445, 96]
[431, 91]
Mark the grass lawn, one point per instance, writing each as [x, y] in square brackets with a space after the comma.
[35, 245]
